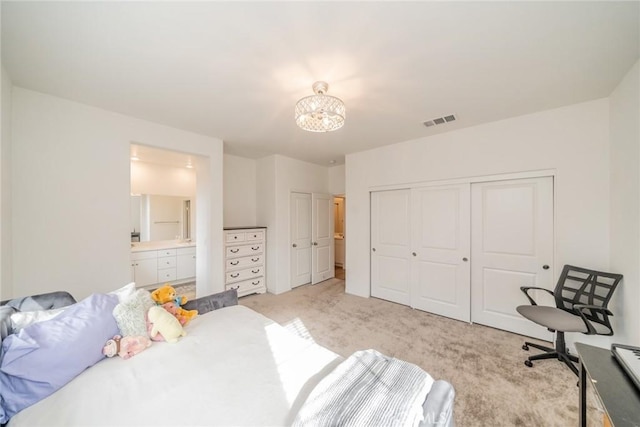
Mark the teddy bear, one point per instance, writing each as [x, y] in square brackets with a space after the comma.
[166, 297]
[125, 347]
[183, 316]
[167, 293]
[163, 322]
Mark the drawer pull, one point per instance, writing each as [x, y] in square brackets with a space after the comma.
[234, 262]
[255, 283]
[235, 287]
[235, 237]
[255, 248]
[255, 236]
[255, 271]
[235, 275]
[234, 251]
[255, 259]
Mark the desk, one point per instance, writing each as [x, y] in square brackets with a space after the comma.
[619, 396]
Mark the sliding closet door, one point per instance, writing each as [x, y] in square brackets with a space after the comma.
[391, 245]
[440, 267]
[512, 246]
[322, 256]
[300, 239]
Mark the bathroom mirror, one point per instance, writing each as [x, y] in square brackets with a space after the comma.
[160, 217]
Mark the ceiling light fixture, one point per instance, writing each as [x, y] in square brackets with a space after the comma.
[320, 112]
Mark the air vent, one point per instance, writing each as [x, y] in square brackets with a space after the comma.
[440, 120]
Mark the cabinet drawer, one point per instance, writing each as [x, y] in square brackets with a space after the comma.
[166, 262]
[166, 274]
[166, 252]
[248, 273]
[187, 251]
[143, 255]
[244, 250]
[248, 286]
[235, 237]
[255, 235]
[246, 262]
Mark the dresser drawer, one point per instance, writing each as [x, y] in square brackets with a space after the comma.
[255, 285]
[254, 235]
[167, 274]
[166, 262]
[244, 250]
[235, 237]
[248, 273]
[191, 250]
[246, 262]
[166, 252]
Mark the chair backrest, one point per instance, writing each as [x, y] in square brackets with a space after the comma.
[578, 285]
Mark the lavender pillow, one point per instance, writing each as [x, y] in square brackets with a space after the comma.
[44, 356]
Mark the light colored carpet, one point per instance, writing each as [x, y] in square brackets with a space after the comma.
[485, 365]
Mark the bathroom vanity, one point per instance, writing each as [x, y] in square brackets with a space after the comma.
[161, 262]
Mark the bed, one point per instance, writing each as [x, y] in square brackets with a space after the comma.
[235, 367]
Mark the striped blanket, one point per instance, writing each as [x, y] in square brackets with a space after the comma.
[368, 389]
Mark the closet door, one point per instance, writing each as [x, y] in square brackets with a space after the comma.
[322, 263]
[512, 246]
[300, 239]
[391, 245]
[440, 267]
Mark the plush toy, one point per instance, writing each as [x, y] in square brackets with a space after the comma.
[166, 293]
[164, 323]
[183, 316]
[125, 347]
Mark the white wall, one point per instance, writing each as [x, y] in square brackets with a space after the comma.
[278, 176]
[5, 189]
[625, 204]
[71, 188]
[239, 191]
[573, 141]
[149, 178]
[336, 179]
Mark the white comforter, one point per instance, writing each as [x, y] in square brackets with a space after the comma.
[235, 367]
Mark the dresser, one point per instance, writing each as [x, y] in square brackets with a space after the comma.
[245, 259]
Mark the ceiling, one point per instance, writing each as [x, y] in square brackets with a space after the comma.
[234, 70]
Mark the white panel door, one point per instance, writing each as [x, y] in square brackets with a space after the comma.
[322, 264]
[300, 239]
[440, 268]
[391, 245]
[512, 246]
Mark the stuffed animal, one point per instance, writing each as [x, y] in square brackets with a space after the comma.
[166, 293]
[125, 347]
[164, 323]
[183, 316]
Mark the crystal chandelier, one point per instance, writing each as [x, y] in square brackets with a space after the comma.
[320, 112]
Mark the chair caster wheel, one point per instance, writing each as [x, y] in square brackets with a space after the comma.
[528, 363]
[525, 347]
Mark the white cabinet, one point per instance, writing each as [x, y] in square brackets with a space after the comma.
[245, 260]
[144, 268]
[186, 263]
[163, 265]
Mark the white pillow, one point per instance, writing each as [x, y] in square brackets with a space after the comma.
[124, 292]
[22, 319]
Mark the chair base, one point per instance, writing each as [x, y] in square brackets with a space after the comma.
[560, 353]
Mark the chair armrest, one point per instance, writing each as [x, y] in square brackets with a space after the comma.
[580, 307]
[525, 289]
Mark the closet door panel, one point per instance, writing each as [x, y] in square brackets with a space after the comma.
[391, 245]
[440, 250]
[512, 226]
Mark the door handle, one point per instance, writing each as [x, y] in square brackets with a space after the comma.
[315, 243]
[545, 267]
[373, 249]
[465, 259]
[414, 254]
[294, 245]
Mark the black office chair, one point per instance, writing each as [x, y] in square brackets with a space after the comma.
[581, 298]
